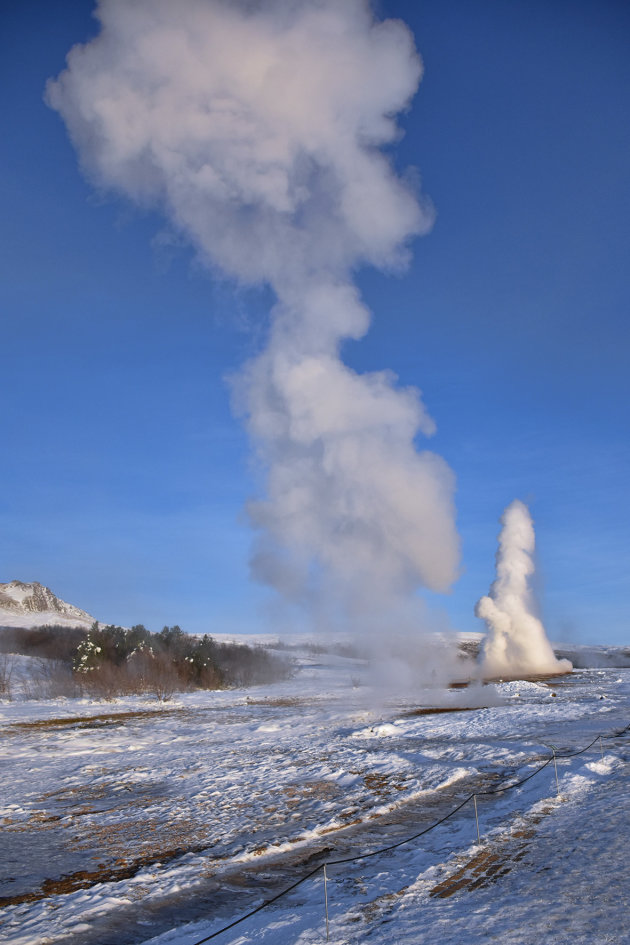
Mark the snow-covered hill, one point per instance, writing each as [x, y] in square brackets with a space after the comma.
[31, 604]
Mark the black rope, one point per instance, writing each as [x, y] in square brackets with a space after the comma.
[263, 905]
[392, 846]
[573, 754]
[618, 734]
[399, 843]
[508, 787]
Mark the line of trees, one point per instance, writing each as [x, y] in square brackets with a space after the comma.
[49, 642]
[111, 660]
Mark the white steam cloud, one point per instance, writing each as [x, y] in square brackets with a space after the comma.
[257, 127]
[516, 644]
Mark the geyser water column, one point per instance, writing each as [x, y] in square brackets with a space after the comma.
[257, 128]
[516, 644]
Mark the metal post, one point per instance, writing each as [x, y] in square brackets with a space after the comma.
[326, 901]
[556, 770]
[600, 747]
[477, 819]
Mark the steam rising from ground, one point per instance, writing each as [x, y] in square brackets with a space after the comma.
[516, 644]
[257, 128]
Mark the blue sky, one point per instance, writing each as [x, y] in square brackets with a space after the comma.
[124, 473]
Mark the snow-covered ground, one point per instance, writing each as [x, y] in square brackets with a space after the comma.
[133, 821]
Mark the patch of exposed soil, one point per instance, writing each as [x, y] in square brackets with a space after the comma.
[83, 879]
[92, 721]
[439, 710]
[279, 703]
[493, 862]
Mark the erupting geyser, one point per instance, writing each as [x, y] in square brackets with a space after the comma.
[516, 644]
[258, 128]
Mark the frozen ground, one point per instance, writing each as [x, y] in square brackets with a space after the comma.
[129, 821]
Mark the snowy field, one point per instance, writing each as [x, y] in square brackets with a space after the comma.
[133, 821]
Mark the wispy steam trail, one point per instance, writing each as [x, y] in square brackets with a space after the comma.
[517, 643]
[257, 128]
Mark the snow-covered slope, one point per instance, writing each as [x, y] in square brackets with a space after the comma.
[31, 604]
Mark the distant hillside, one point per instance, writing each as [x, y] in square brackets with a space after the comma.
[31, 604]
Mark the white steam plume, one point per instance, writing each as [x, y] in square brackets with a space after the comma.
[516, 644]
[257, 128]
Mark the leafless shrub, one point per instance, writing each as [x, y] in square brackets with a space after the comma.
[162, 678]
[7, 667]
[143, 672]
[48, 679]
[105, 682]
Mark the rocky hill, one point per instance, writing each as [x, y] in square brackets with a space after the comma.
[32, 604]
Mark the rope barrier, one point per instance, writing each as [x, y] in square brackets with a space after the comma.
[508, 787]
[262, 906]
[415, 836]
[393, 846]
